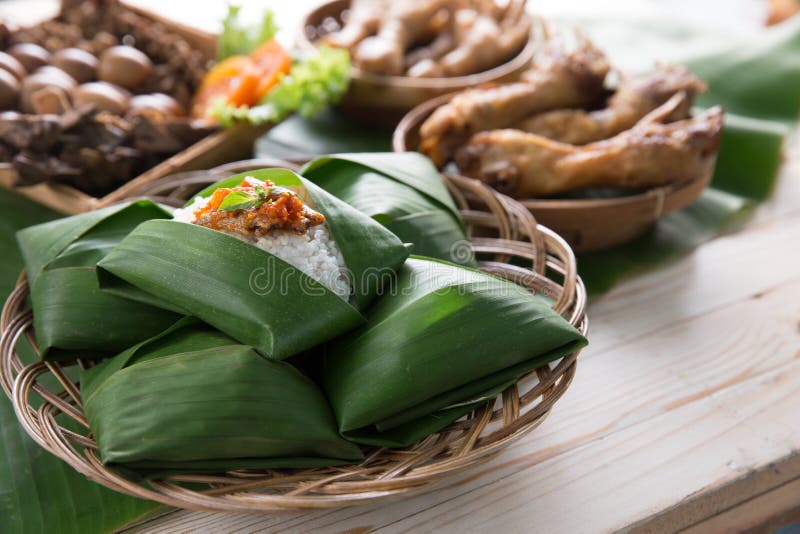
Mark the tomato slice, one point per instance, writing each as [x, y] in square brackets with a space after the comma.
[217, 198]
[273, 61]
[233, 80]
[242, 80]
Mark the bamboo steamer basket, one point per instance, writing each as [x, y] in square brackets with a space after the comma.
[509, 243]
[587, 224]
[381, 99]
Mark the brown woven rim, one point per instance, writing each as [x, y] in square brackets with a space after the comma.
[500, 229]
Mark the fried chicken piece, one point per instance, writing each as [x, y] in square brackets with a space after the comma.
[363, 21]
[422, 62]
[426, 38]
[405, 24]
[635, 98]
[425, 68]
[650, 154]
[484, 41]
[560, 80]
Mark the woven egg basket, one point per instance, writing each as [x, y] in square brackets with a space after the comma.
[504, 236]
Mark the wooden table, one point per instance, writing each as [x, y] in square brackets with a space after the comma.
[684, 412]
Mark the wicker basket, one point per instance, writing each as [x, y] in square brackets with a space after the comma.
[587, 224]
[500, 230]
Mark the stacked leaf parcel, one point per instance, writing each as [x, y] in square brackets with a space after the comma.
[401, 191]
[270, 324]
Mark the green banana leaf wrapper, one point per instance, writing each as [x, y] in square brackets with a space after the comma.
[248, 293]
[72, 316]
[445, 340]
[404, 192]
[192, 399]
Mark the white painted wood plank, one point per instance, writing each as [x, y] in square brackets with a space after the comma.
[631, 474]
[720, 272]
[785, 198]
[591, 489]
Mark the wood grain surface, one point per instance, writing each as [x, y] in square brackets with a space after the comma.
[683, 414]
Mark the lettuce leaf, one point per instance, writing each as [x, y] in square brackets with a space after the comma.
[238, 38]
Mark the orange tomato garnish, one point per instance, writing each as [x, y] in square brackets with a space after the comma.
[273, 62]
[242, 80]
[218, 196]
[233, 81]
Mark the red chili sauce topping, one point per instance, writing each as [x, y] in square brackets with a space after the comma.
[255, 208]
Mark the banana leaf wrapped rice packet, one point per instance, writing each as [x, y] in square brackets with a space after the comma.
[194, 400]
[445, 340]
[266, 256]
[72, 316]
[404, 192]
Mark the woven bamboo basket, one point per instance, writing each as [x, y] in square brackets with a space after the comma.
[508, 242]
[587, 224]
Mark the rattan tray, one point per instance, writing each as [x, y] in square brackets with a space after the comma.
[501, 230]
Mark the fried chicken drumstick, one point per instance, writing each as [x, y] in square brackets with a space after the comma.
[482, 37]
[363, 21]
[633, 99]
[650, 154]
[559, 80]
[405, 24]
[432, 38]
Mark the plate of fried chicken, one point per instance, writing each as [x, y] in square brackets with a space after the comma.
[596, 154]
[404, 53]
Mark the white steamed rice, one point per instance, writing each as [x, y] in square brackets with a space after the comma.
[315, 253]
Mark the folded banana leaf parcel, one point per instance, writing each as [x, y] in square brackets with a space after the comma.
[446, 340]
[72, 316]
[404, 192]
[194, 400]
[267, 257]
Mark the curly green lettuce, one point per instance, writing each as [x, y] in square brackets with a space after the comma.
[238, 38]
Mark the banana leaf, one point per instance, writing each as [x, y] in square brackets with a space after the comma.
[71, 315]
[444, 341]
[401, 191]
[327, 132]
[246, 292]
[33, 482]
[757, 78]
[751, 153]
[193, 400]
